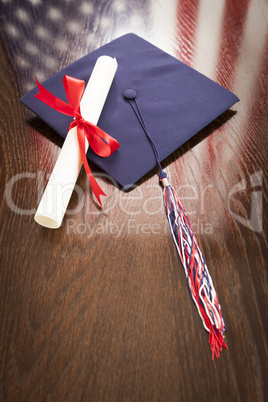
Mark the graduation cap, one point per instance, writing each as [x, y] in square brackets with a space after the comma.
[155, 104]
[176, 102]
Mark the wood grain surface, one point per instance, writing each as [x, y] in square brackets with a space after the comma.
[99, 310]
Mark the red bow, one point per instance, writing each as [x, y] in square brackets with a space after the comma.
[101, 143]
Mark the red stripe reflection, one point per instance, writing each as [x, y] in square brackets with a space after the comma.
[186, 26]
[234, 17]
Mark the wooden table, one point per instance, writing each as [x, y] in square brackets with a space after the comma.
[88, 313]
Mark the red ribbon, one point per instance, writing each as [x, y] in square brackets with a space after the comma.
[101, 143]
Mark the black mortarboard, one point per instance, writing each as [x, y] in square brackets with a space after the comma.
[176, 102]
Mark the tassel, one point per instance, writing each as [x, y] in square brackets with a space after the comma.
[199, 281]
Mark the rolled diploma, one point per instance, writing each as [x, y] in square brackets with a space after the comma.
[56, 197]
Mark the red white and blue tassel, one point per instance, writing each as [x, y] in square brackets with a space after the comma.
[199, 281]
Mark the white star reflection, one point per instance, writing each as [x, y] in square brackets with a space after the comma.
[54, 14]
[86, 8]
[22, 15]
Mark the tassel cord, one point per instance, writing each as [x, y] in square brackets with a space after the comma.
[133, 103]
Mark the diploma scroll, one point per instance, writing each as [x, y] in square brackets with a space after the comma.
[56, 197]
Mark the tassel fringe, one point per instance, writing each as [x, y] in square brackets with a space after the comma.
[199, 281]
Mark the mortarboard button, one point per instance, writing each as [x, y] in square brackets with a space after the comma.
[130, 94]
